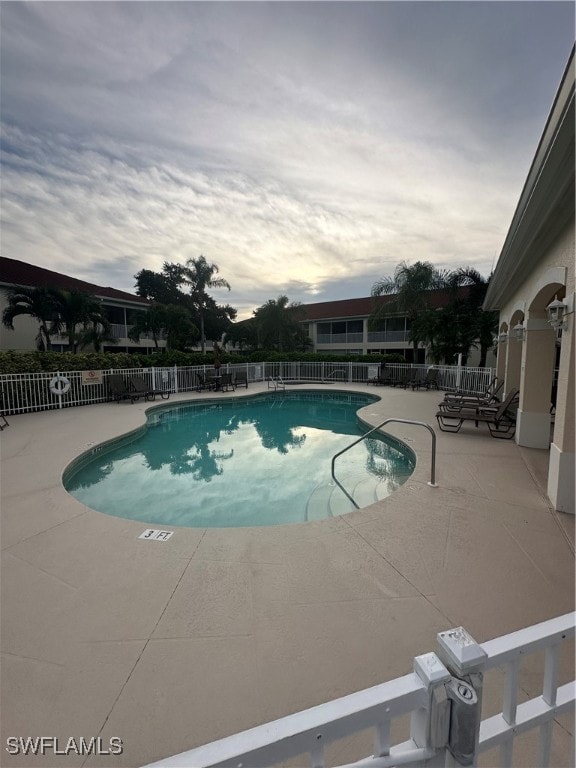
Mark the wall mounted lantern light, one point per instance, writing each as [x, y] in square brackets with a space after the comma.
[557, 314]
[518, 332]
[503, 337]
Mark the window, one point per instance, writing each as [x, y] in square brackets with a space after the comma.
[114, 315]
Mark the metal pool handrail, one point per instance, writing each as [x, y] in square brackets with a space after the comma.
[334, 372]
[277, 382]
[432, 482]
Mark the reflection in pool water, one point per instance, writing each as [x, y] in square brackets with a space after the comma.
[262, 460]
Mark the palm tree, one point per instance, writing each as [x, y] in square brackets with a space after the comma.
[244, 333]
[97, 333]
[411, 286]
[487, 329]
[277, 323]
[200, 275]
[179, 326]
[477, 328]
[150, 324]
[75, 308]
[39, 303]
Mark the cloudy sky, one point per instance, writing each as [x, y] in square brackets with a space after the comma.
[306, 148]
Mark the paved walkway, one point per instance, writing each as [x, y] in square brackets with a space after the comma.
[171, 645]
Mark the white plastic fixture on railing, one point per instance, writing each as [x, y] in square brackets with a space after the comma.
[443, 695]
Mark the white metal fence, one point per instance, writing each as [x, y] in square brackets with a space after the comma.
[443, 695]
[24, 392]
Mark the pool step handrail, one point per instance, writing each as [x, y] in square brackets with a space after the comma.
[432, 481]
[277, 382]
[333, 373]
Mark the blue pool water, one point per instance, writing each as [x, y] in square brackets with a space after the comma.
[261, 460]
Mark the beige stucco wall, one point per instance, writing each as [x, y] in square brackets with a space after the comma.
[561, 254]
[23, 337]
[554, 273]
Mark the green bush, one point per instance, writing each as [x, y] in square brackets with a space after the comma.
[37, 362]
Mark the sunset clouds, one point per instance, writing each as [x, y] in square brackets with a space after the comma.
[306, 148]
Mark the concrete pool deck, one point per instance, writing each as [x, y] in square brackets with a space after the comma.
[169, 645]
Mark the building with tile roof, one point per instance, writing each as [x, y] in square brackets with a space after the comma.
[341, 327]
[119, 306]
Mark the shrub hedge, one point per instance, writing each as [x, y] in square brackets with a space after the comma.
[37, 362]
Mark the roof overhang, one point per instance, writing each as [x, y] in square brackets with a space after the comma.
[546, 204]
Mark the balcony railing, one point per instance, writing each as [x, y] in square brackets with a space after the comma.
[388, 336]
[358, 338]
[340, 338]
[120, 331]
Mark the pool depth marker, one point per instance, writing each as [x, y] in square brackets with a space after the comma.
[154, 534]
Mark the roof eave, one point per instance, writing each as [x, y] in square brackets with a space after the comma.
[547, 199]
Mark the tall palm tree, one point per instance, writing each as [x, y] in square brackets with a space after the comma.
[277, 323]
[75, 308]
[39, 303]
[411, 286]
[200, 275]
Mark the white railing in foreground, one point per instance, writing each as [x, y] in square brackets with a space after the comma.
[26, 392]
[444, 695]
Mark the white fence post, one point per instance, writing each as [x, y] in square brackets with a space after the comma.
[175, 379]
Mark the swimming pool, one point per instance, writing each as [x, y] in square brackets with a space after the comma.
[244, 461]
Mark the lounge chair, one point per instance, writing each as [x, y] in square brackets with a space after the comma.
[500, 419]
[398, 377]
[200, 381]
[226, 382]
[212, 380]
[490, 397]
[119, 390]
[379, 375]
[205, 381]
[430, 381]
[410, 378]
[139, 385]
[424, 379]
[241, 379]
[373, 373]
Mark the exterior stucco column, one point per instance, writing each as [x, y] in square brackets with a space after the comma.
[513, 364]
[533, 420]
[561, 474]
[501, 360]
[313, 334]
